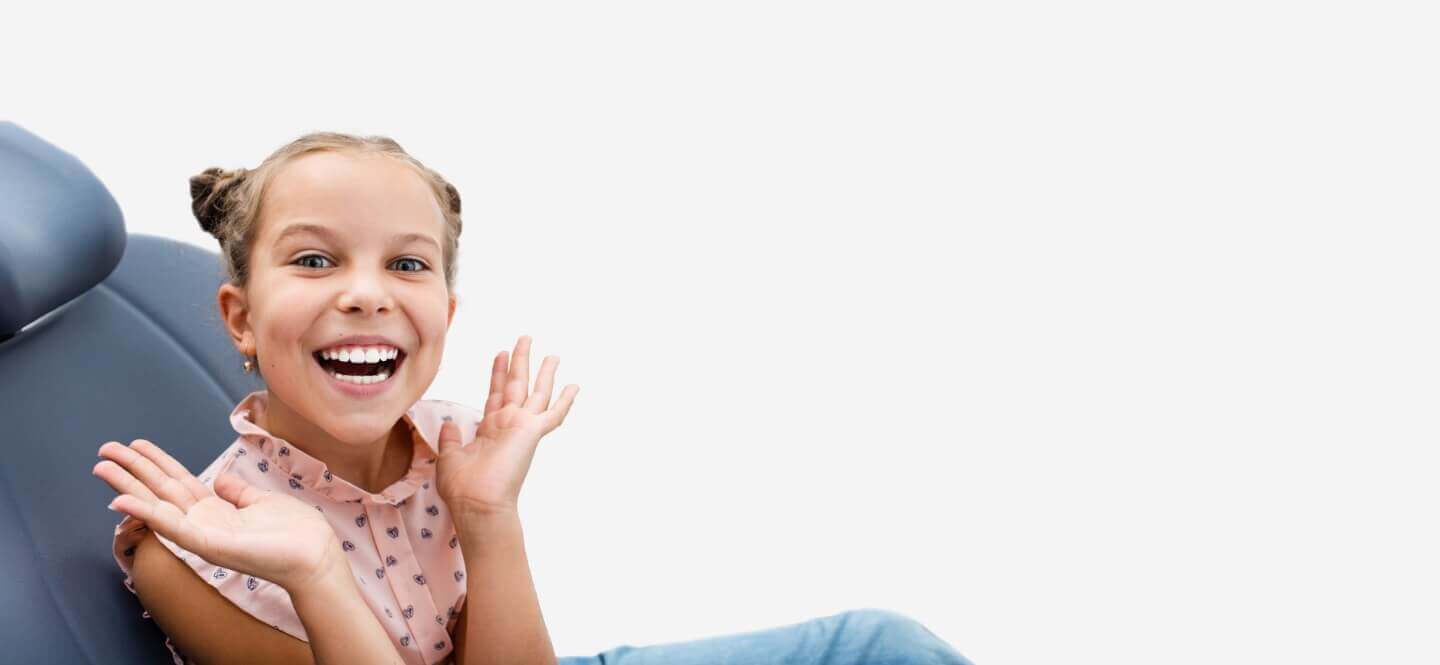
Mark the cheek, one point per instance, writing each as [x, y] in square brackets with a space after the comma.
[432, 319]
[431, 326]
[283, 323]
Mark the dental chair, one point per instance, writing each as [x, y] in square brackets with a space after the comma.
[104, 336]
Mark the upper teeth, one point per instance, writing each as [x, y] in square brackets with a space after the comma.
[360, 354]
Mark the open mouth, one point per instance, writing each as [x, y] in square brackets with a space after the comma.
[360, 372]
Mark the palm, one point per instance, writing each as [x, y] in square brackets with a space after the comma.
[487, 468]
[273, 536]
[486, 475]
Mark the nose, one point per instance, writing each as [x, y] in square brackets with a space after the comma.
[365, 293]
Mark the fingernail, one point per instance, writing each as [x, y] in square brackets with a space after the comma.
[112, 505]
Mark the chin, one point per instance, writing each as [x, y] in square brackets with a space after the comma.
[360, 430]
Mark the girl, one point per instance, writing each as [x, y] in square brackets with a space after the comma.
[350, 521]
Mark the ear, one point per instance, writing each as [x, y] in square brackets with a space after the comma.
[451, 316]
[235, 314]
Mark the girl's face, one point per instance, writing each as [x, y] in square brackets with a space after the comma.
[371, 264]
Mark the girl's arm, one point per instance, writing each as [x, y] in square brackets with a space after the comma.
[340, 626]
[271, 535]
[505, 626]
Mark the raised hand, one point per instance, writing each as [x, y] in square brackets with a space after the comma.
[484, 477]
[273, 536]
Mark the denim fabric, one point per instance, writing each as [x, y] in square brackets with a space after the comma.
[855, 637]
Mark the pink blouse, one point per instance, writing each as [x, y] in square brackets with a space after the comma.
[403, 546]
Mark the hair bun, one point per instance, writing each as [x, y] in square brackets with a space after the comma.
[454, 196]
[207, 195]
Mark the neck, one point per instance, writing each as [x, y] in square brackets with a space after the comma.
[370, 464]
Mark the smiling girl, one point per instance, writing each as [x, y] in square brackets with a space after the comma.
[352, 521]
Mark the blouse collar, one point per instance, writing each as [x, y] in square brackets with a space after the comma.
[308, 472]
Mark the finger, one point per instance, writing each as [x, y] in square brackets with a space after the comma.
[519, 382]
[234, 489]
[162, 517]
[173, 468]
[540, 399]
[160, 484]
[497, 383]
[562, 405]
[121, 481]
[449, 435]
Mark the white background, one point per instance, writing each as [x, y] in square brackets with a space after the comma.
[1078, 332]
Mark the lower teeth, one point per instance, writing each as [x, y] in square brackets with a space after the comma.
[362, 380]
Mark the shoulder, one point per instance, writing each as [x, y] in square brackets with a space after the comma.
[447, 407]
[430, 414]
[129, 532]
[227, 460]
[256, 596]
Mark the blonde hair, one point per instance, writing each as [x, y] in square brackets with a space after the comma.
[227, 202]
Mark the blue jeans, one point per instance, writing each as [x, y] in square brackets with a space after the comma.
[855, 637]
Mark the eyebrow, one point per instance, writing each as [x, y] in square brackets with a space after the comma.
[325, 232]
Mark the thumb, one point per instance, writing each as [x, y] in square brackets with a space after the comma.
[449, 436]
[234, 489]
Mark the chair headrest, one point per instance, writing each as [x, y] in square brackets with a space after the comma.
[61, 232]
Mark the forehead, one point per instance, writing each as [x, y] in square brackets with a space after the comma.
[350, 192]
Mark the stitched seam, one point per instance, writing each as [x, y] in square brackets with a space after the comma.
[149, 320]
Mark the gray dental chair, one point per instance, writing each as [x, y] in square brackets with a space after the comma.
[104, 336]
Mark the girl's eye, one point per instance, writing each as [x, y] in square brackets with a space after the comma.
[421, 267]
[311, 256]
